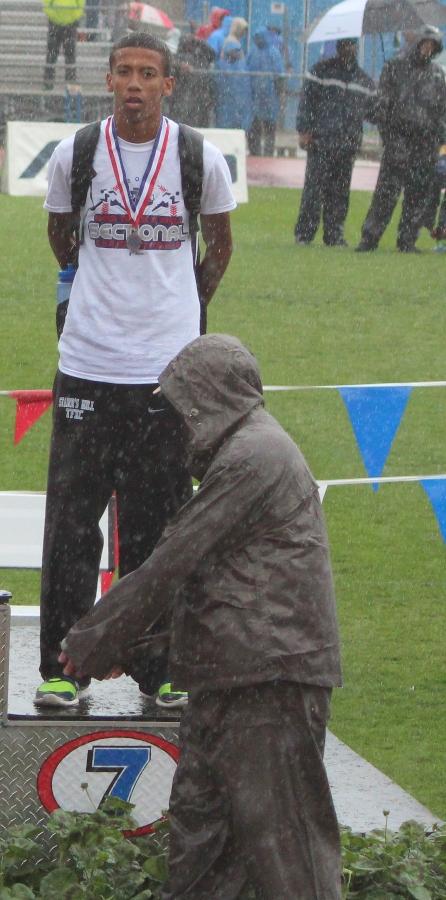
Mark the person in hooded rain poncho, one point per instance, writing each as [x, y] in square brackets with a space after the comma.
[411, 115]
[218, 37]
[244, 566]
[275, 38]
[233, 101]
[265, 58]
[216, 17]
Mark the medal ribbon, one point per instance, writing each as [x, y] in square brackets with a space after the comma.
[135, 210]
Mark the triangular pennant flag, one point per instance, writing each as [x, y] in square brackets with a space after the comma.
[375, 414]
[30, 405]
[322, 486]
[106, 581]
[436, 491]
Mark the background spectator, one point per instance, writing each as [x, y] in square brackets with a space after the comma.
[217, 14]
[277, 40]
[337, 96]
[233, 101]
[63, 16]
[218, 37]
[237, 31]
[411, 112]
[275, 37]
[435, 215]
[193, 99]
[265, 93]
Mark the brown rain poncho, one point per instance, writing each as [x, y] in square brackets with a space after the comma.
[244, 565]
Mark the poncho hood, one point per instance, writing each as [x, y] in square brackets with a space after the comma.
[212, 384]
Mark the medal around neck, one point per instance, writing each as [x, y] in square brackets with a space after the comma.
[135, 207]
[134, 242]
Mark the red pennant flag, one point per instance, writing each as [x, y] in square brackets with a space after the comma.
[30, 405]
[106, 581]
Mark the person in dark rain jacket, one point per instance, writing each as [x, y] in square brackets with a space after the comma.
[245, 567]
[411, 113]
[337, 97]
[193, 99]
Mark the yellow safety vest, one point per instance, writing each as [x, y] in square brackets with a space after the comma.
[64, 12]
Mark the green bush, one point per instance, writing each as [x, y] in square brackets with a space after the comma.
[94, 861]
[383, 865]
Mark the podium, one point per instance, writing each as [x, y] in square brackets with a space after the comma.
[115, 743]
[118, 743]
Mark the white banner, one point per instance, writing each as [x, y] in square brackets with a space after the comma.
[232, 143]
[22, 519]
[29, 146]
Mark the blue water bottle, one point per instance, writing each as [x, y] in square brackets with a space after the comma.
[64, 285]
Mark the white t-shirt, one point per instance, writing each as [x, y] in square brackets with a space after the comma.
[130, 314]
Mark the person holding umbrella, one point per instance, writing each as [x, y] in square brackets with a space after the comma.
[411, 108]
[337, 97]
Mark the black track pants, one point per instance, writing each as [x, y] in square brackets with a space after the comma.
[326, 192]
[61, 36]
[412, 173]
[105, 438]
[250, 799]
[259, 128]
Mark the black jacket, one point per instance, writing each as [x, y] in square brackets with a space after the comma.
[335, 101]
[411, 105]
[193, 99]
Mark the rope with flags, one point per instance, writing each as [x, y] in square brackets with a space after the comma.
[375, 411]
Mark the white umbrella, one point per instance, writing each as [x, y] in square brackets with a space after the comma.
[353, 18]
[343, 20]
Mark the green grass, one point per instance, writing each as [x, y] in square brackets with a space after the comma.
[312, 316]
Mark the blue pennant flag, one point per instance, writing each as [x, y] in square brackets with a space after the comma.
[436, 491]
[375, 414]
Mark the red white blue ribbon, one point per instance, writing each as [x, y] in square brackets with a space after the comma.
[135, 208]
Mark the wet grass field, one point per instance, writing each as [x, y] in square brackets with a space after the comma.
[313, 316]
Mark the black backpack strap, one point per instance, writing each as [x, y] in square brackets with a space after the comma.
[82, 172]
[190, 148]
